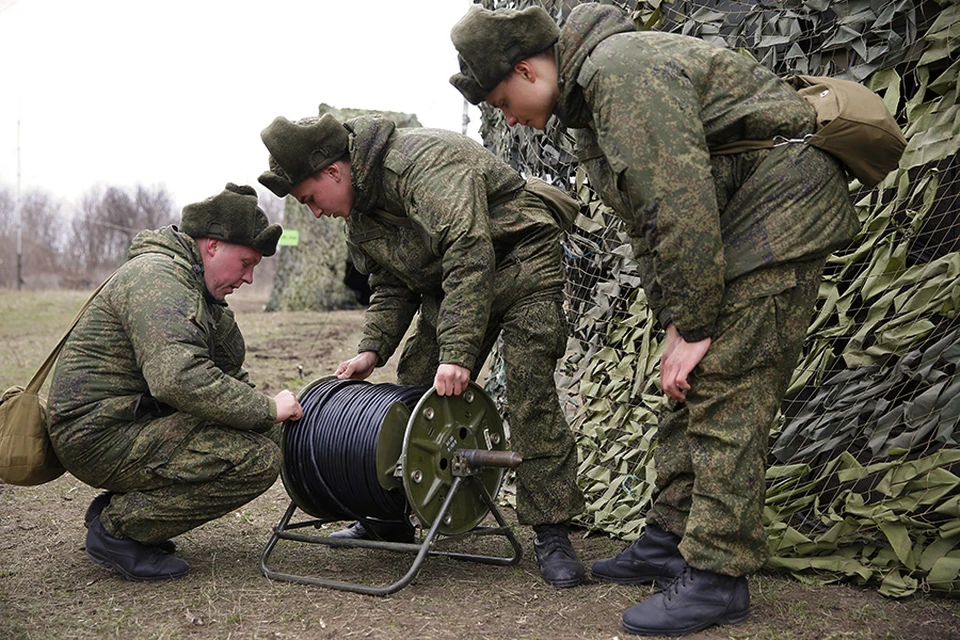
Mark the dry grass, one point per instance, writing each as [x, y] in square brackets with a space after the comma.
[49, 590]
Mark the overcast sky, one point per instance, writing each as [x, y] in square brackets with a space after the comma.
[175, 92]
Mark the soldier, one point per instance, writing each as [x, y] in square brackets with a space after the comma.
[150, 400]
[731, 248]
[445, 228]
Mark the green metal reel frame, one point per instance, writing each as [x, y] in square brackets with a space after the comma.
[447, 501]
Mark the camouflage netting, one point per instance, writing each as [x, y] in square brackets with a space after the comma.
[864, 462]
[315, 274]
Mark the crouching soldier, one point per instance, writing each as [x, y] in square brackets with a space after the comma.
[150, 400]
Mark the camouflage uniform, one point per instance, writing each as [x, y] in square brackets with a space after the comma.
[731, 248]
[149, 398]
[445, 228]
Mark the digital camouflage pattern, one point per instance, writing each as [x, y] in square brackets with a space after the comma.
[445, 228]
[150, 398]
[730, 247]
[651, 105]
[712, 449]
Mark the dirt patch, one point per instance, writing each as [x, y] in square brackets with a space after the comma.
[49, 589]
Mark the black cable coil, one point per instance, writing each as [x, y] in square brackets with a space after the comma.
[330, 454]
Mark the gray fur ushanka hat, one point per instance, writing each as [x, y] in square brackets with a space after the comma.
[300, 149]
[489, 43]
[232, 216]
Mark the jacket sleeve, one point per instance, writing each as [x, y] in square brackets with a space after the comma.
[165, 321]
[446, 196]
[649, 128]
[391, 309]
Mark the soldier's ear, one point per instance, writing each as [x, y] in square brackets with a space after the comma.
[208, 246]
[525, 70]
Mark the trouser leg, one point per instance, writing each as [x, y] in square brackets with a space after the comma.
[420, 356]
[213, 471]
[534, 338]
[710, 473]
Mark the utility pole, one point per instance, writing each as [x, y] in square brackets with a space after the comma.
[19, 217]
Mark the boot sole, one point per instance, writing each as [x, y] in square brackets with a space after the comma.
[640, 631]
[660, 581]
[564, 584]
[109, 564]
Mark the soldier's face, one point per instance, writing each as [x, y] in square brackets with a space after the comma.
[227, 266]
[527, 95]
[327, 193]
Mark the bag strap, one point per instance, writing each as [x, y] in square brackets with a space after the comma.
[41, 375]
[740, 146]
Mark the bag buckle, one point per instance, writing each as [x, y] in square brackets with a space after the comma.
[779, 141]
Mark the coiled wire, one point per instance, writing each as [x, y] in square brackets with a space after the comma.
[330, 454]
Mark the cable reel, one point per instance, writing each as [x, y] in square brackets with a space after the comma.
[384, 453]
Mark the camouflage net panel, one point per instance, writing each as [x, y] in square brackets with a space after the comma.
[864, 461]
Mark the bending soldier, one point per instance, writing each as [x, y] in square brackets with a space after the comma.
[446, 229]
[150, 400]
[731, 248]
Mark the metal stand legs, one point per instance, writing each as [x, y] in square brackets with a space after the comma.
[285, 531]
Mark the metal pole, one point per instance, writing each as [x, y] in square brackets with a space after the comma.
[19, 217]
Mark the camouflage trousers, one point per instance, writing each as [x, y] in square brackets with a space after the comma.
[534, 333]
[162, 492]
[712, 449]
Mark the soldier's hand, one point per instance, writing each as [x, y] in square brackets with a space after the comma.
[678, 360]
[451, 379]
[358, 367]
[288, 407]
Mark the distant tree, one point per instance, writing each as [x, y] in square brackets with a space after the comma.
[105, 223]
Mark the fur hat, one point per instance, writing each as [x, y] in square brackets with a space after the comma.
[232, 216]
[300, 149]
[490, 43]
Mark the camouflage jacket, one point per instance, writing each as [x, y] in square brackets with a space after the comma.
[649, 107]
[153, 341]
[443, 226]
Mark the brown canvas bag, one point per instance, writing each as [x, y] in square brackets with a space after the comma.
[26, 453]
[27, 457]
[853, 124]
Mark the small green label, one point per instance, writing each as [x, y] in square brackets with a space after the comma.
[289, 238]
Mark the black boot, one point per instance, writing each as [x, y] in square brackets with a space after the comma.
[136, 561]
[654, 557]
[558, 562]
[695, 600]
[388, 531]
[96, 508]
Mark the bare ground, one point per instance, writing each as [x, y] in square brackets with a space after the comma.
[49, 589]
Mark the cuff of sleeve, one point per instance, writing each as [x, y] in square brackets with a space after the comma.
[697, 334]
[664, 317]
[459, 358]
[273, 410]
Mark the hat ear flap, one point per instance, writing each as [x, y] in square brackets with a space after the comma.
[469, 88]
[277, 184]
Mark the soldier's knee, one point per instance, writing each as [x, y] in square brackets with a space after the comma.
[271, 458]
[260, 467]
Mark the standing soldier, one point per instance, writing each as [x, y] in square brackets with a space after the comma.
[150, 399]
[445, 228]
[731, 248]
